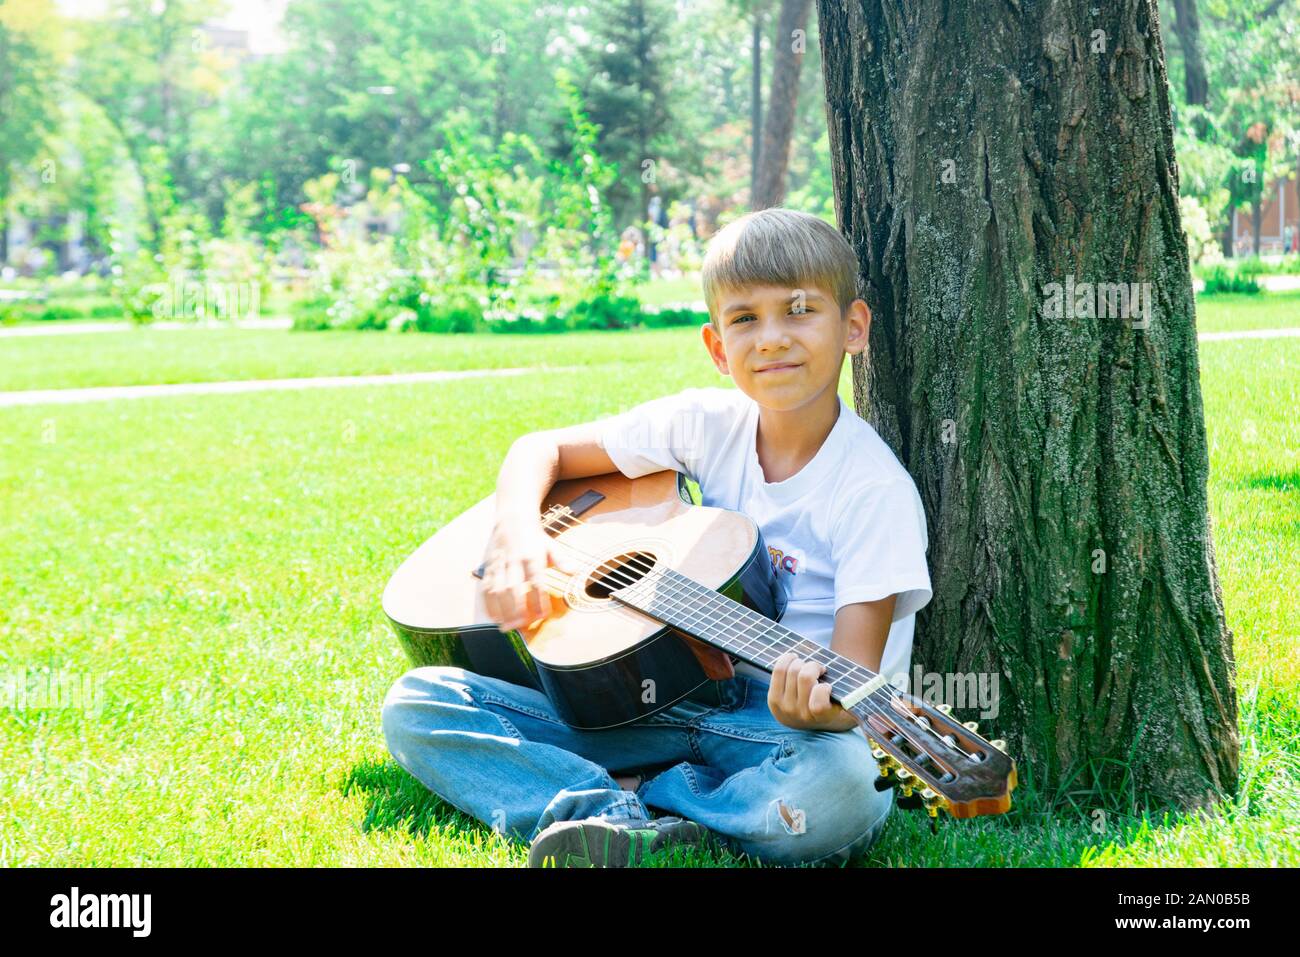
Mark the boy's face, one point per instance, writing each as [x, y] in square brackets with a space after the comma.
[784, 347]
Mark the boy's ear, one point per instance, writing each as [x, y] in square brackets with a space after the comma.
[859, 321]
[713, 342]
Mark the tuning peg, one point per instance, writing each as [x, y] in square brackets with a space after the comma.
[971, 726]
[907, 781]
[908, 802]
[945, 708]
[933, 801]
[1000, 744]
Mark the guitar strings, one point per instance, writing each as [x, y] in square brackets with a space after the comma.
[832, 668]
[699, 591]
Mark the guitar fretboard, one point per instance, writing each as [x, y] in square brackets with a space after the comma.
[717, 620]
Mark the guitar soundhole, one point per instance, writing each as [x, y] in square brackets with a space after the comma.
[615, 573]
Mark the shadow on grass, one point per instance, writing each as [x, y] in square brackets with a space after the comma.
[1271, 482]
[397, 801]
[1086, 815]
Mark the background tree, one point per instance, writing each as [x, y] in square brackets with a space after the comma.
[1187, 26]
[628, 93]
[27, 111]
[782, 103]
[757, 13]
[369, 81]
[982, 153]
[1240, 63]
[143, 66]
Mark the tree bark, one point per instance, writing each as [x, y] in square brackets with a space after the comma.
[982, 152]
[782, 99]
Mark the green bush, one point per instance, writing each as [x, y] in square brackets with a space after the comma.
[311, 312]
[1288, 265]
[139, 283]
[103, 310]
[607, 312]
[674, 317]
[463, 315]
[461, 312]
[1222, 278]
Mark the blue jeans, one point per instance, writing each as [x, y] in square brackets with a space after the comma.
[499, 753]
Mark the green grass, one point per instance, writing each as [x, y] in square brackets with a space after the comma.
[217, 562]
[146, 356]
[1236, 312]
[138, 357]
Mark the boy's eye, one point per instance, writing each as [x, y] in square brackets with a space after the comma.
[792, 312]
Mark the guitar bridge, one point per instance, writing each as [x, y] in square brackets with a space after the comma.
[583, 503]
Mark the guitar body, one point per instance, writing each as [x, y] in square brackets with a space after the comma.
[601, 664]
[648, 568]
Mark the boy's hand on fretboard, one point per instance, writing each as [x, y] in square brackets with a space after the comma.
[799, 700]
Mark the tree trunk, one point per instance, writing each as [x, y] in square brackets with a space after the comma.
[755, 98]
[782, 98]
[982, 152]
[1256, 219]
[1188, 27]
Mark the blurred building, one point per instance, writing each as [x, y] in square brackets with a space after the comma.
[1279, 221]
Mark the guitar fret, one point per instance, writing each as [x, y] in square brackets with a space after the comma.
[774, 630]
[714, 617]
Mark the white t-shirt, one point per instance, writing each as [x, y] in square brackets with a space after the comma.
[847, 527]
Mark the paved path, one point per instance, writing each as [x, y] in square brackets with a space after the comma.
[1279, 283]
[104, 393]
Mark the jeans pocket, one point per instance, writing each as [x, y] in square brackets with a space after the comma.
[735, 694]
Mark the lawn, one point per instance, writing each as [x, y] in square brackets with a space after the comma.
[1237, 312]
[216, 562]
[144, 356]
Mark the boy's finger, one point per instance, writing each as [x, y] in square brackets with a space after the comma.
[776, 688]
[795, 694]
[820, 701]
[563, 561]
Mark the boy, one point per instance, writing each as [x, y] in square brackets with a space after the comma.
[761, 762]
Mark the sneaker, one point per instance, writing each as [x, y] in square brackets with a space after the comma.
[606, 842]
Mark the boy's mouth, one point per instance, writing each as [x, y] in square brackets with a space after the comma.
[778, 367]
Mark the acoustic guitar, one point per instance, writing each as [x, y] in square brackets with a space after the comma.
[653, 571]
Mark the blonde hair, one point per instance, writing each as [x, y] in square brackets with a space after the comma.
[779, 247]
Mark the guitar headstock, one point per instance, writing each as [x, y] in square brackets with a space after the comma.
[921, 748]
